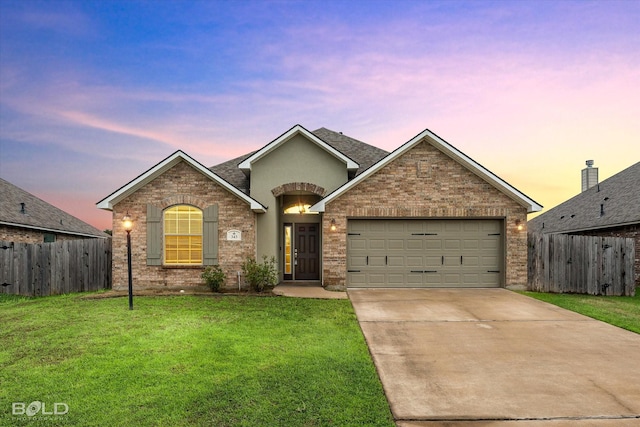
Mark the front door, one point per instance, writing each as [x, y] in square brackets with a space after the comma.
[306, 251]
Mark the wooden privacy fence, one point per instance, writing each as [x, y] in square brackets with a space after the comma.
[43, 269]
[563, 263]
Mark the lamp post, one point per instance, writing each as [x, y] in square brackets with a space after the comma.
[127, 224]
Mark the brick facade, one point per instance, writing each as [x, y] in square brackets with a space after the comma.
[422, 183]
[180, 185]
[631, 231]
[29, 235]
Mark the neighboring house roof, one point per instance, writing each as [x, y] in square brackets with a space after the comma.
[614, 202]
[450, 151]
[157, 170]
[246, 164]
[39, 215]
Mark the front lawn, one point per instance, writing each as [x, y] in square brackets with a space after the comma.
[187, 361]
[619, 311]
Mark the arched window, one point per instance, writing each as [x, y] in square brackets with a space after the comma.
[182, 235]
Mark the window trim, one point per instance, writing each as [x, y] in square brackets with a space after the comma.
[192, 209]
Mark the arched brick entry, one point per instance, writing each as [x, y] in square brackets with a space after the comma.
[298, 186]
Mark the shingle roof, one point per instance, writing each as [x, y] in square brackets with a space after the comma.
[618, 197]
[39, 214]
[364, 154]
[230, 172]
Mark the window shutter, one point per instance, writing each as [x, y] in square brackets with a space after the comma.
[210, 235]
[154, 235]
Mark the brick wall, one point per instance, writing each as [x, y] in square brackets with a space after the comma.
[28, 235]
[631, 231]
[423, 183]
[181, 184]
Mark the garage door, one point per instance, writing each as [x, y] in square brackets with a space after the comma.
[424, 253]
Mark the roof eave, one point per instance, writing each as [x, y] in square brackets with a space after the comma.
[54, 230]
[450, 151]
[108, 202]
[246, 165]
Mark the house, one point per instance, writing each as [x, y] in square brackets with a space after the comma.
[331, 210]
[25, 218]
[610, 208]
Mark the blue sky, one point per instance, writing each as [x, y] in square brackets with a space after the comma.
[93, 93]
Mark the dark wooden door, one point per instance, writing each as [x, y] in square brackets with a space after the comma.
[307, 252]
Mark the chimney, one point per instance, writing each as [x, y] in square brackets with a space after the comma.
[589, 176]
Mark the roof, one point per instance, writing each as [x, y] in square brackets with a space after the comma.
[38, 214]
[364, 154]
[450, 151]
[157, 170]
[617, 198]
[246, 164]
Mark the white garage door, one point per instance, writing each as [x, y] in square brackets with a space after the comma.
[424, 253]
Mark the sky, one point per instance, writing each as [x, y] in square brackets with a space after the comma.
[93, 93]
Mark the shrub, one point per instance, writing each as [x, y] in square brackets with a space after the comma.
[214, 277]
[260, 275]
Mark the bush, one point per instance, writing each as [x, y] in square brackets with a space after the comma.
[214, 277]
[260, 275]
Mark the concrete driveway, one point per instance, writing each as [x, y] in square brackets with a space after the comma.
[485, 357]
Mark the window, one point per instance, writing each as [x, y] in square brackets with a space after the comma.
[299, 208]
[49, 238]
[182, 235]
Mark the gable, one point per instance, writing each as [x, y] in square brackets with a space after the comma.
[424, 167]
[151, 174]
[247, 164]
[297, 160]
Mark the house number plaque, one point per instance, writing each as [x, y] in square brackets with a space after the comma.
[235, 235]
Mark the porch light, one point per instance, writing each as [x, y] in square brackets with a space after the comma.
[127, 224]
[333, 224]
[519, 225]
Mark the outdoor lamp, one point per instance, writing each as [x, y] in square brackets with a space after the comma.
[333, 224]
[127, 224]
[519, 225]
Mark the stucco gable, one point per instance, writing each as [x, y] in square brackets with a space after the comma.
[247, 164]
[456, 155]
[179, 156]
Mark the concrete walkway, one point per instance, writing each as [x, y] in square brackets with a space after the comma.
[308, 291]
[491, 357]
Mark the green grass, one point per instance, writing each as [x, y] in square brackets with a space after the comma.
[619, 311]
[188, 361]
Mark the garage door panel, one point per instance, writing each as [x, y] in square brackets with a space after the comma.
[415, 244]
[377, 227]
[433, 261]
[471, 261]
[470, 244]
[357, 243]
[357, 279]
[377, 244]
[452, 244]
[424, 253]
[395, 244]
[433, 244]
[396, 261]
[414, 261]
[377, 261]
